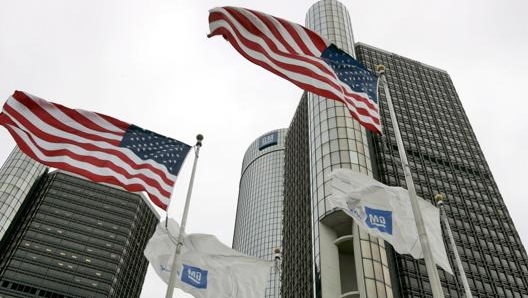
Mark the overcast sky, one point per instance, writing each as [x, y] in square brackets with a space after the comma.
[151, 64]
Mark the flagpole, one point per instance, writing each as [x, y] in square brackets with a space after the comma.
[179, 244]
[439, 198]
[432, 272]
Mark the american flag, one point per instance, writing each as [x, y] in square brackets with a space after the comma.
[95, 146]
[301, 56]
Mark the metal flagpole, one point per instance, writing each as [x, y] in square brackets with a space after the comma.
[432, 272]
[179, 244]
[439, 198]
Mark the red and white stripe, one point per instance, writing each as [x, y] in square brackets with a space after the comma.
[292, 52]
[84, 143]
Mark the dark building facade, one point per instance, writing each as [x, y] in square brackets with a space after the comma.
[75, 238]
[445, 156]
[297, 265]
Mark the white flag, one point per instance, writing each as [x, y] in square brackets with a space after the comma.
[208, 267]
[385, 212]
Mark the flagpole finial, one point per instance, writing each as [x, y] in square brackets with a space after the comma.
[439, 198]
[199, 139]
[380, 69]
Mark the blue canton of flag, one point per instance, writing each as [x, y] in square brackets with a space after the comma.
[194, 276]
[379, 219]
[351, 72]
[150, 145]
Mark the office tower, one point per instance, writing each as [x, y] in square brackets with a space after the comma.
[444, 156]
[17, 175]
[334, 140]
[297, 264]
[258, 224]
[76, 238]
[324, 255]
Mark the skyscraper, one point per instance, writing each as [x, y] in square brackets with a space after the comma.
[258, 224]
[344, 260]
[324, 255]
[444, 156]
[17, 175]
[76, 238]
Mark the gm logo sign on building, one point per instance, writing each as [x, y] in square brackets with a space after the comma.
[268, 140]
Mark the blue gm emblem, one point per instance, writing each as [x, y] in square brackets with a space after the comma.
[194, 276]
[379, 219]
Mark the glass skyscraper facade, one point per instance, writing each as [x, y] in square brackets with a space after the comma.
[444, 156]
[76, 238]
[17, 175]
[258, 224]
[336, 140]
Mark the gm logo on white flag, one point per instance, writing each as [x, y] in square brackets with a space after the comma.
[164, 268]
[379, 219]
[194, 276]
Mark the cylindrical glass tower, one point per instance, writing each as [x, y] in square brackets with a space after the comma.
[347, 263]
[258, 224]
[17, 175]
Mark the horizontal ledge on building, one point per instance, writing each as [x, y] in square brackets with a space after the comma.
[345, 244]
[336, 218]
[343, 239]
[352, 294]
